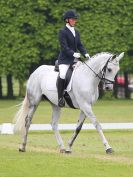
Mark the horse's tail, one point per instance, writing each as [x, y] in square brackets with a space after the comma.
[20, 117]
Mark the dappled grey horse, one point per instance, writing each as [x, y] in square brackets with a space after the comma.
[83, 92]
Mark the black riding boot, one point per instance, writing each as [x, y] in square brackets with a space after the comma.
[60, 88]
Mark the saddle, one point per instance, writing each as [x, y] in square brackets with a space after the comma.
[67, 80]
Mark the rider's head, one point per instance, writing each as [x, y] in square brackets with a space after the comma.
[70, 17]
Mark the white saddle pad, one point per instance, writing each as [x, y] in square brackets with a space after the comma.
[51, 81]
[52, 78]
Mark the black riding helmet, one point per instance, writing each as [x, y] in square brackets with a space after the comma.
[70, 14]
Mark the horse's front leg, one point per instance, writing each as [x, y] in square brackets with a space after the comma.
[78, 128]
[54, 124]
[88, 112]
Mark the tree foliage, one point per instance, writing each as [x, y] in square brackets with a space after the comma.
[29, 30]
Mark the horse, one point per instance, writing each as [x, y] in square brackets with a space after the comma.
[83, 92]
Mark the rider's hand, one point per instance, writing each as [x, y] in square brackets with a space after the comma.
[76, 55]
[87, 56]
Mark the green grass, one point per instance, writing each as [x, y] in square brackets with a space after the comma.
[106, 111]
[88, 159]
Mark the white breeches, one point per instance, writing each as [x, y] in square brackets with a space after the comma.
[63, 70]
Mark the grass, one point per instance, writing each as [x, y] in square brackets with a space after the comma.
[106, 111]
[88, 159]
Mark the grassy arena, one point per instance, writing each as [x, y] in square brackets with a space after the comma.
[88, 159]
[105, 111]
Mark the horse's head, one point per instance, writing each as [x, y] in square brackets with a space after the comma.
[110, 70]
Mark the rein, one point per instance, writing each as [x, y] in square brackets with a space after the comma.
[102, 78]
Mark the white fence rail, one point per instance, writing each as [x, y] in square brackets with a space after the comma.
[7, 128]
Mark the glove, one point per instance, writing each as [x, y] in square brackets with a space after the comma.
[76, 55]
[87, 56]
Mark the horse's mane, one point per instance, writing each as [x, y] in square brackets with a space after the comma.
[101, 53]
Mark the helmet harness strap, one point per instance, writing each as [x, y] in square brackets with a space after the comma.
[67, 21]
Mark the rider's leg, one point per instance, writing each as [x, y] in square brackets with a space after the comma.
[60, 87]
[61, 83]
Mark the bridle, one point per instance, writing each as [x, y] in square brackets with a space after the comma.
[102, 78]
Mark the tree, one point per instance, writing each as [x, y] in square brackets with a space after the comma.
[9, 86]
[29, 31]
[0, 87]
[22, 31]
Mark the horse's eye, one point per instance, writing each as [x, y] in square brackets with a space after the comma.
[109, 70]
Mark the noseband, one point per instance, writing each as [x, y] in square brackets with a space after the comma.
[102, 78]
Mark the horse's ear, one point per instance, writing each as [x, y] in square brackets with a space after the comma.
[119, 57]
[113, 57]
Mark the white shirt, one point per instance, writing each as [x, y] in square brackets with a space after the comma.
[71, 28]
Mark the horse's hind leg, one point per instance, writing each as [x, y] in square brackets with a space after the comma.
[33, 103]
[78, 128]
[54, 124]
[28, 120]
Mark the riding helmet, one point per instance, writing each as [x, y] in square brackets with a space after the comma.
[70, 14]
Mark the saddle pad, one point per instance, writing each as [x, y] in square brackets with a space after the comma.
[52, 78]
[51, 81]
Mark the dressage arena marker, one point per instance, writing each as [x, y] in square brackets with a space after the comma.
[7, 128]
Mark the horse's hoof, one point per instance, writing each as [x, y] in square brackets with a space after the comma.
[21, 150]
[68, 151]
[109, 151]
[62, 150]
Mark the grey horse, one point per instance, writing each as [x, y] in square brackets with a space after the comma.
[83, 92]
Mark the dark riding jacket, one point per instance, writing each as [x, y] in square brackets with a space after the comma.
[69, 45]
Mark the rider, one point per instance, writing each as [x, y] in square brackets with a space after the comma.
[70, 45]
